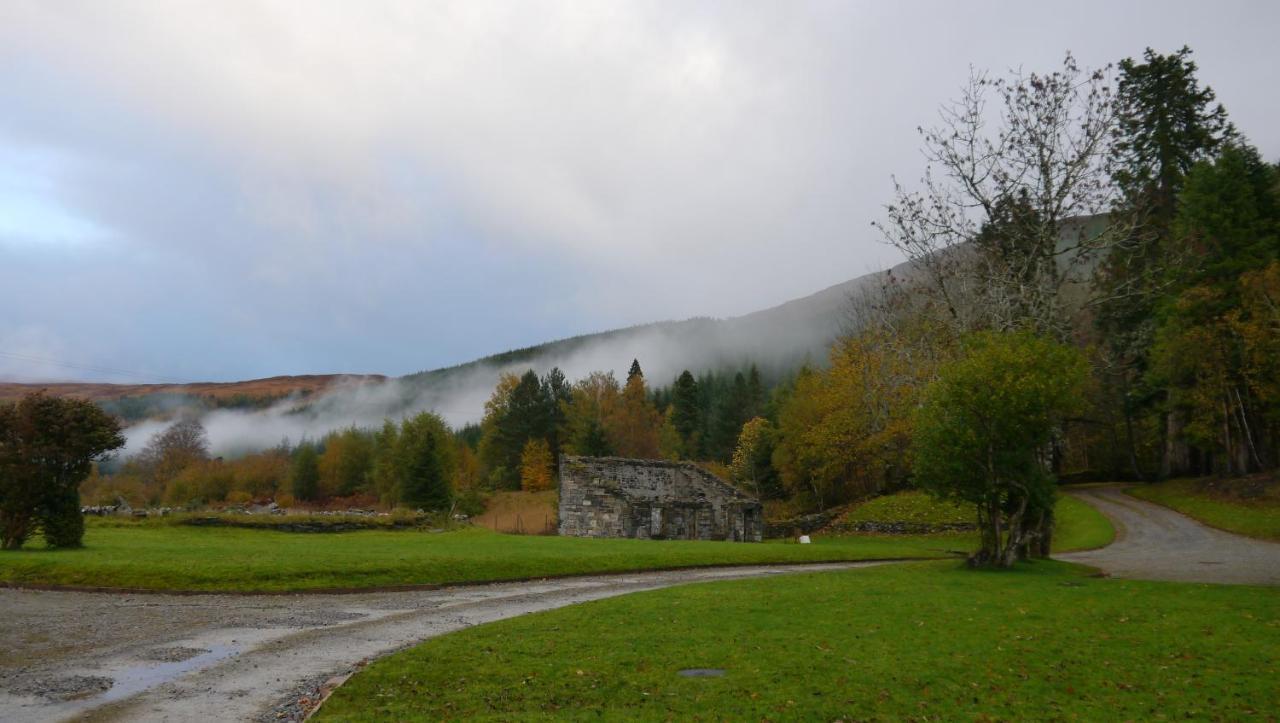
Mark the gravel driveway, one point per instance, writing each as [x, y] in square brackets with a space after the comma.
[1156, 543]
[105, 656]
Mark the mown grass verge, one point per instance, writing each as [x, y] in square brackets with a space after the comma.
[1194, 498]
[915, 641]
[1078, 526]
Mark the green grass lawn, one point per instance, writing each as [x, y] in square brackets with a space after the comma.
[922, 641]
[179, 557]
[1078, 526]
[1260, 518]
[910, 506]
[190, 558]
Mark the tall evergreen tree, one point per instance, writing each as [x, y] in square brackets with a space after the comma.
[1166, 122]
[304, 474]
[686, 415]
[1229, 217]
[755, 393]
[427, 459]
[557, 394]
[517, 412]
[634, 371]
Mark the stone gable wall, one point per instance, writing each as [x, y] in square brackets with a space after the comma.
[656, 499]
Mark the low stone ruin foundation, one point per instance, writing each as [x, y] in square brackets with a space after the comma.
[654, 499]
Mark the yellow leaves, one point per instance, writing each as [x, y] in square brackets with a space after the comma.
[850, 424]
[536, 466]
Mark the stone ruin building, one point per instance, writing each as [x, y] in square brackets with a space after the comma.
[654, 499]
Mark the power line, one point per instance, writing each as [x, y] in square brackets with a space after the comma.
[89, 368]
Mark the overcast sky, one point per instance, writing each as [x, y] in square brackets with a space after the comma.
[226, 190]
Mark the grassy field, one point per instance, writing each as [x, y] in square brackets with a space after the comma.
[1259, 517]
[922, 641]
[178, 557]
[189, 558]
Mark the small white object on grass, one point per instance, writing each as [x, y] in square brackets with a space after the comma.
[804, 539]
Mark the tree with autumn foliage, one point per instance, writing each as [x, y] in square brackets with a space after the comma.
[844, 432]
[346, 462]
[633, 427]
[752, 464]
[592, 401]
[537, 466]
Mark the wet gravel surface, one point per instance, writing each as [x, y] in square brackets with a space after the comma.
[1156, 543]
[110, 656]
[175, 654]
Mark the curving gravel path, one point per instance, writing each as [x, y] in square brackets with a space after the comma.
[103, 656]
[1156, 543]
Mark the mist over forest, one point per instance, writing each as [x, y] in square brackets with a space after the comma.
[778, 341]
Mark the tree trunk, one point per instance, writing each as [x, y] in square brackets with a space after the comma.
[1175, 460]
[1131, 442]
[1016, 536]
[14, 530]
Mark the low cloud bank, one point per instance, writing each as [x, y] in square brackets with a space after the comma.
[778, 340]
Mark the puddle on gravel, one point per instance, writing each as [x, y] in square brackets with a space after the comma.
[137, 678]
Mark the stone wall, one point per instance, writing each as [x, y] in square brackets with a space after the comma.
[615, 497]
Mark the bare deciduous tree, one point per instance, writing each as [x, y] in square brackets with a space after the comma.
[167, 453]
[1008, 225]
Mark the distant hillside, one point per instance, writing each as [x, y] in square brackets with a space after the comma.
[242, 414]
[269, 387]
[141, 401]
[778, 339]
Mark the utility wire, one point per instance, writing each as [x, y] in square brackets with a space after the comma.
[84, 367]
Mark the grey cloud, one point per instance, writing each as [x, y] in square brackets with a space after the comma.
[321, 186]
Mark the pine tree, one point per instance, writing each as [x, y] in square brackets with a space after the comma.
[755, 393]
[634, 371]
[518, 411]
[686, 416]
[304, 475]
[1229, 217]
[730, 414]
[1166, 123]
[556, 395]
[427, 462]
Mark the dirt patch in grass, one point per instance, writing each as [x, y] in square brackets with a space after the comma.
[528, 513]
